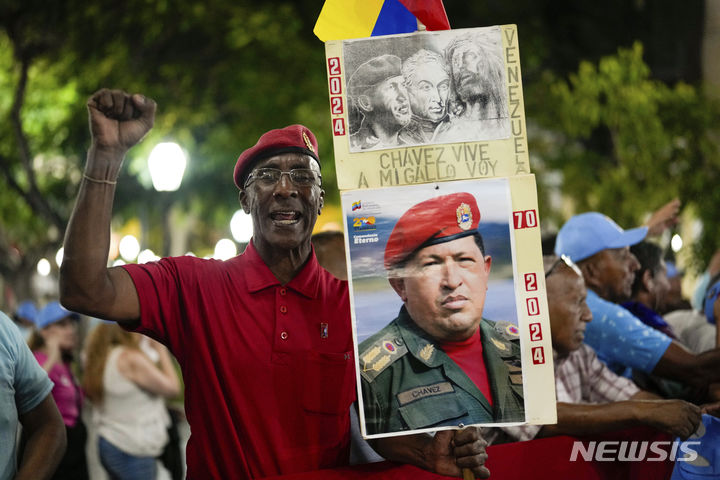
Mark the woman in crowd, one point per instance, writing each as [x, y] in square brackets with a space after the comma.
[128, 390]
[53, 344]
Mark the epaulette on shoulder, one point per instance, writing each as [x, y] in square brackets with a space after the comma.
[380, 354]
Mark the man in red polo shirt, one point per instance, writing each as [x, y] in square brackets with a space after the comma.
[263, 339]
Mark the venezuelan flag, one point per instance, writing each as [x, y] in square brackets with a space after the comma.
[341, 19]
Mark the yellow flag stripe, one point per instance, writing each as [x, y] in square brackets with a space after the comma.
[341, 19]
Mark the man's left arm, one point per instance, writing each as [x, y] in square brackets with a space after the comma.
[448, 452]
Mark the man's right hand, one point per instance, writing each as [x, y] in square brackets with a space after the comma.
[676, 417]
[448, 452]
[119, 120]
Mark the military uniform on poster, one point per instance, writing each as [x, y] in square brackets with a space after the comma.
[410, 384]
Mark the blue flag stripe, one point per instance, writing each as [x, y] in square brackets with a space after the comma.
[394, 18]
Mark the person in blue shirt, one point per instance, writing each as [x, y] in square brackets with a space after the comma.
[25, 399]
[601, 249]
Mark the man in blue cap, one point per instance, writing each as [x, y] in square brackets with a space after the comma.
[590, 398]
[601, 250]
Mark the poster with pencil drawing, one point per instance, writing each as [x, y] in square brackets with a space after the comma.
[427, 106]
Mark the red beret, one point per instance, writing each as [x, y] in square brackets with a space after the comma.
[438, 220]
[295, 138]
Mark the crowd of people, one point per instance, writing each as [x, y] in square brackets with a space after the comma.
[126, 379]
[264, 342]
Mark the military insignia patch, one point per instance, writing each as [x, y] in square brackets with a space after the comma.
[306, 139]
[512, 330]
[379, 355]
[379, 365]
[464, 216]
[500, 345]
[427, 351]
[371, 354]
[513, 368]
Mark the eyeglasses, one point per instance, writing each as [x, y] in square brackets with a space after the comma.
[566, 260]
[300, 177]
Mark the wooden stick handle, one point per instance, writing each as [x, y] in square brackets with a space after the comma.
[468, 474]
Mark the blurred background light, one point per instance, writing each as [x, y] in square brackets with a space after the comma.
[241, 227]
[167, 163]
[225, 249]
[129, 248]
[43, 267]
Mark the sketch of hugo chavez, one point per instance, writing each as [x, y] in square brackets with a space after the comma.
[439, 363]
[376, 89]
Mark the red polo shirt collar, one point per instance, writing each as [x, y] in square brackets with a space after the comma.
[306, 282]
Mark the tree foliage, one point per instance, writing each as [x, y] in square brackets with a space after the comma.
[627, 143]
[221, 72]
[225, 71]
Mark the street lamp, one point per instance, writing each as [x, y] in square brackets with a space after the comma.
[167, 163]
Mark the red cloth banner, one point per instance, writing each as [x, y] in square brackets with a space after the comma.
[430, 12]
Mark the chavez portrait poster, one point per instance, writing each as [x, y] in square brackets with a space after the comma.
[441, 313]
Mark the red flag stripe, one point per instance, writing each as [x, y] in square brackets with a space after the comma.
[430, 12]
